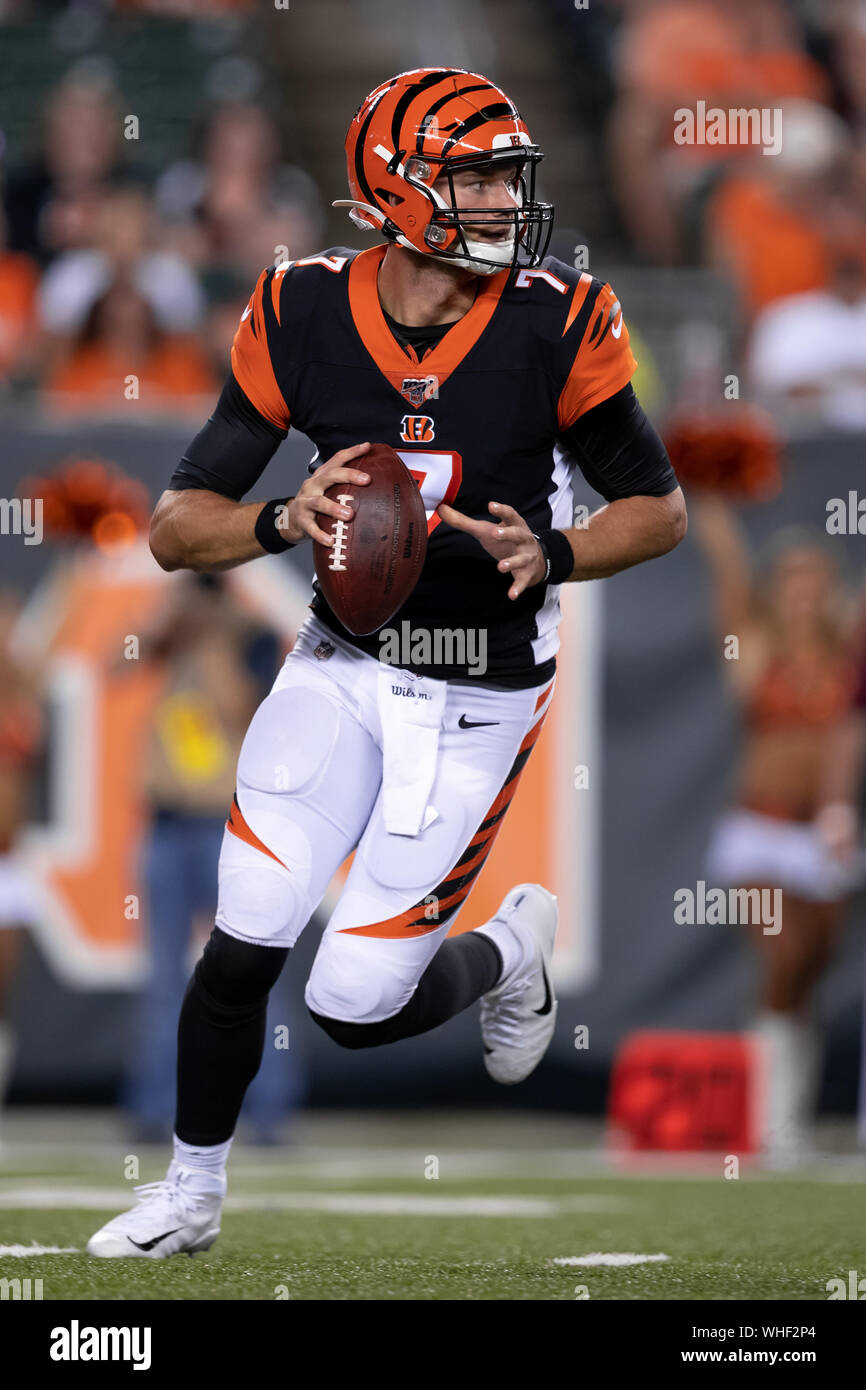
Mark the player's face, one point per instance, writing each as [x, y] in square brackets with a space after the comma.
[490, 189]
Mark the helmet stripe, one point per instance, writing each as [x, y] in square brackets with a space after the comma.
[437, 106]
[431, 80]
[499, 111]
[364, 186]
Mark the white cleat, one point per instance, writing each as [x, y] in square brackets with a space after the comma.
[179, 1214]
[518, 1016]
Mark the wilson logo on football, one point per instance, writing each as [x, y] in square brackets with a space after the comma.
[417, 429]
[418, 389]
[338, 549]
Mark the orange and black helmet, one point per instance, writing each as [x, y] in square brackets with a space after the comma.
[433, 121]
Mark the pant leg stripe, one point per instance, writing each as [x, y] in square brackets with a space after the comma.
[238, 827]
[452, 892]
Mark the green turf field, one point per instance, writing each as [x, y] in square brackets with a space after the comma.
[757, 1241]
[343, 1222]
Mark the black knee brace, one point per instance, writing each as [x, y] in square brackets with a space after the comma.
[236, 973]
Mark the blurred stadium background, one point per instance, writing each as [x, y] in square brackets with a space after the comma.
[154, 156]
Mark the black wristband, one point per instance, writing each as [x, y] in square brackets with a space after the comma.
[267, 534]
[558, 555]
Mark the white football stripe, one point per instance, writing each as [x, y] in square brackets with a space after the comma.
[598, 1258]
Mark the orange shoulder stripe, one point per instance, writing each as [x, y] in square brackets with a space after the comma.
[251, 358]
[581, 290]
[603, 363]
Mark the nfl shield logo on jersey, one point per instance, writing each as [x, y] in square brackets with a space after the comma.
[418, 389]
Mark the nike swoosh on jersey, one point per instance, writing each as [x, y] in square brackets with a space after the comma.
[463, 723]
[149, 1244]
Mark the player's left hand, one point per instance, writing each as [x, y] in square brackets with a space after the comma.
[508, 539]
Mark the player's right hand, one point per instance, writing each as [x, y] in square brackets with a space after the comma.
[311, 501]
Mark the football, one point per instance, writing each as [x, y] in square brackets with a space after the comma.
[376, 558]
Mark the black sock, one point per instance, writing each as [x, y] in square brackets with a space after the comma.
[463, 969]
[221, 1035]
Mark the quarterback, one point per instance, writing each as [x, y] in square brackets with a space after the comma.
[494, 371]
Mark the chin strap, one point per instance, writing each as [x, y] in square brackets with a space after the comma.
[362, 213]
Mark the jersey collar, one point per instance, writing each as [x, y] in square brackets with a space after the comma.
[386, 352]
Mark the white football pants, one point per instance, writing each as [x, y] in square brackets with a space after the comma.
[414, 775]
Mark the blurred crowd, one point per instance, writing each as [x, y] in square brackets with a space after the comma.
[108, 272]
[118, 291]
[786, 229]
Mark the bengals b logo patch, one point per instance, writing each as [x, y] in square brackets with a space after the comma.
[417, 429]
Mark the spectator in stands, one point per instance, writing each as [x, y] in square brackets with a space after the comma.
[848, 23]
[792, 676]
[53, 203]
[218, 664]
[227, 296]
[125, 248]
[123, 361]
[674, 53]
[18, 280]
[20, 736]
[236, 203]
[839, 818]
[183, 9]
[772, 227]
[807, 356]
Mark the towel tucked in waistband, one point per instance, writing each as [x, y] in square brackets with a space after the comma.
[411, 709]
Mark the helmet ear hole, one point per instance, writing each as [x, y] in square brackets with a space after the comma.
[389, 196]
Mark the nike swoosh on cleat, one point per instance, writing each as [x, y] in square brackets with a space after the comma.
[548, 997]
[463, 723]
[149, 1244]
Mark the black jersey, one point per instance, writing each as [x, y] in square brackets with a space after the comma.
[482, 416]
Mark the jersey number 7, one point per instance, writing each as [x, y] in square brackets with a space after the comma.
[438, 474]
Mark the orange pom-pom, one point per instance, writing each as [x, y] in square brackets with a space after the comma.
[735, 452]
[90, 499]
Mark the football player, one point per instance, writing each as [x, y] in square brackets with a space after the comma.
[494, 372]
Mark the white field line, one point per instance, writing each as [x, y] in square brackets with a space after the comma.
[17, 1251]
[599, 1258]
[54, 1198]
